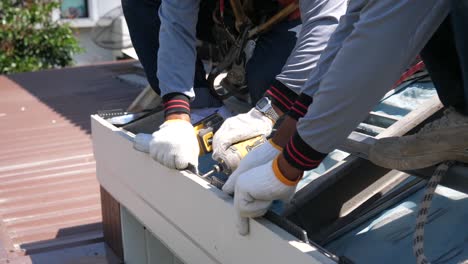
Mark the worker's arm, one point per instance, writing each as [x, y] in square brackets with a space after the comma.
[174, 145]
[300, 106]
[383, 42]
[371, 60]
[320, 18]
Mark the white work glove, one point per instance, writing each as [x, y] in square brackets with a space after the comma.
[256, 189]
[175, 145]
[258, 156]
[238, 128]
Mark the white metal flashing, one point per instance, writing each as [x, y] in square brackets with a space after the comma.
[191, 217]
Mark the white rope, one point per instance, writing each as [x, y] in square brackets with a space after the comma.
[418, 238]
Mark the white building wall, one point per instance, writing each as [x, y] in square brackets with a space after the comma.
[83, 27]
[140, 245]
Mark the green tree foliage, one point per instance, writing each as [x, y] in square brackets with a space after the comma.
[29, 38]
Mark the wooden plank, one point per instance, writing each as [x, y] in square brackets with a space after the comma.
[369, 129]
[374, 191]
[359, 144]
[191, 217]
[413, 119]
[111, 222]
[386, 117]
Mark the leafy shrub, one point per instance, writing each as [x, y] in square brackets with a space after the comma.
[29, 38]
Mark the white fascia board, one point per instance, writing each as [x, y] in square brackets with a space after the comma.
[191, 217]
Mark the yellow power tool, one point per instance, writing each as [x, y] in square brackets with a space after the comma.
[205, 130]
[231, 158]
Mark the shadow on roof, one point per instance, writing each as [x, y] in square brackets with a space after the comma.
[77, 92]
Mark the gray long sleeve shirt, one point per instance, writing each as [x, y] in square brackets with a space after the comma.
[177, 37]
[373, 44]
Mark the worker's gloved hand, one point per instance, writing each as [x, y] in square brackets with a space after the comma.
[258, 156]
[175, 145]
[257, 188]
[238, 128]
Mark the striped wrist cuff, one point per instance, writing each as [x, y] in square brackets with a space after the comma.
[281, 96]
[300, 106]
[300, 155]
[176, 103]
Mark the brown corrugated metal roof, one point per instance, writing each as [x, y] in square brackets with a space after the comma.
[49, 196]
